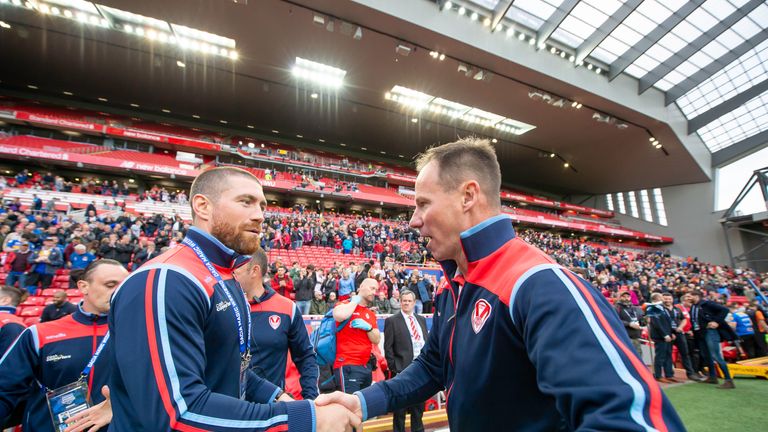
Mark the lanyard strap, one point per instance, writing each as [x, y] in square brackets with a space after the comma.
[95, 356]
[245, 342]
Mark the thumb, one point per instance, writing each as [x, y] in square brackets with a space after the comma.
[354, 421]
[105, 392]
[327, 399]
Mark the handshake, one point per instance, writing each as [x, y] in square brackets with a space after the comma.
[337, 412]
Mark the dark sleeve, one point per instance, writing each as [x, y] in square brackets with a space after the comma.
[303, 355]
[417, 383]
[46, 315]
[17, 370]
[538, 307]
[157, 322]
[8, 335]
[260, 390]
[56, 258]
[389, 342]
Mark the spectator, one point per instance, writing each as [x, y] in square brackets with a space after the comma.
[145, 254]
[381, 304]
[60, 307]
[108, 247]
[662, 334]
[124, 250]
[394, 302]
[304, 289]
[742, 325]
[79, 260]
[679, 321]
[346, 285]
[353, 342]
[331, 302]
[282, 283]
[318, 306]
[761, 328]
[18, 263]
[45, 262]
[709, 327]
[631, 318]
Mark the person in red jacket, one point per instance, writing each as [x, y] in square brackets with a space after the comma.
[282, 283]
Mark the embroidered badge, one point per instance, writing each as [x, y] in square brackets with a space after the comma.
[480, 314]
[274, 321]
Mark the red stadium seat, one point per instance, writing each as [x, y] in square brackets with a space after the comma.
[31, 321]
[31, 311]
[33, 301]
[49, 292]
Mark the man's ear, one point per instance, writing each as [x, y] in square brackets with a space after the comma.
[82, 285]
[202, 207]
[470, 194]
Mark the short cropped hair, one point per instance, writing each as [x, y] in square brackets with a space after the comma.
[17, 295]
[406, 292]
[211, 183]
[86, 274]
[466, 159]
[259, 258]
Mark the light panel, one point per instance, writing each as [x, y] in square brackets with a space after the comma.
[318, 73]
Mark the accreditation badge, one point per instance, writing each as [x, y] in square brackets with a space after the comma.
[64, 402]
[245, 363]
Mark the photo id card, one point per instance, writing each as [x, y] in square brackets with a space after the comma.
[65, 402]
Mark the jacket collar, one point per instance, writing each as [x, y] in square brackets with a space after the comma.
[214, 249]
[87, 318]
[268, 294]
[482, 240]
[8, 309]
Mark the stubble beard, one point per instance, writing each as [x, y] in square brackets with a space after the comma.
[231, 236]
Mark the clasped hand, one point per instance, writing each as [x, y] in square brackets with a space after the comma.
[337, 412]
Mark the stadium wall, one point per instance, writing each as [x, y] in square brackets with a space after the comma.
[691, 222]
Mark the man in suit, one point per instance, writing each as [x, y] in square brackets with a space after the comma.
[404, 336]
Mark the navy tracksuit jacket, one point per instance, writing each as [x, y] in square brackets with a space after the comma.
[278, 327]
[11, 327]
[522, 344]
[53, 354]
[174, 339]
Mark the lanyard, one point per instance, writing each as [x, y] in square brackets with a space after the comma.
[95, 356]
[245, 343]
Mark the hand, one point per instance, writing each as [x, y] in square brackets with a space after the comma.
[667, 339]
[350, 402]
[285, 397]
[361, 324]
[634, 325]
[335, 418]
[94, 417]
[712, 325]
[355, 299]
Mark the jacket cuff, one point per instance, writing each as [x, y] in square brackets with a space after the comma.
[301, 416]
[373, 401]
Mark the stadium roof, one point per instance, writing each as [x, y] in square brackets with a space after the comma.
[630, 64]
[708, 57]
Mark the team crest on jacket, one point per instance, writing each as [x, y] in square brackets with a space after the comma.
[274, 321]
[480, 314]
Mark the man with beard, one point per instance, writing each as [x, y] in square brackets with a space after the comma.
[180, 330]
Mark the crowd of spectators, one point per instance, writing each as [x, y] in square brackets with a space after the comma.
[37, 242]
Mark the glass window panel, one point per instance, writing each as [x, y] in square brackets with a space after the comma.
[700, 59]
[663, 84]
[654, 11]
[701, 19]
[536, 7]
[746, 28]
[614, 45]
[633, 204]
[626, 34]
[488, 4]
[603, 55]
[645, 204]
[647, 63]
[673, 43]
[658, 52]
[714, 49]
[567, 38]
[686, 31]
[577, 27]
[661, 212]
[620, 201]
[609, 201]
[719, 8]
[675, 76]
[687, 68]
[637, 21]
[635, 71]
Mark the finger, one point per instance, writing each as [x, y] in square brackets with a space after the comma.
[94, 428]
[105, 392]
[355, 421]
[326, 399]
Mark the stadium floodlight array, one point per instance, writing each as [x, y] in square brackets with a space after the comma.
[415, 100]
[153, 29]
[318, 73]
